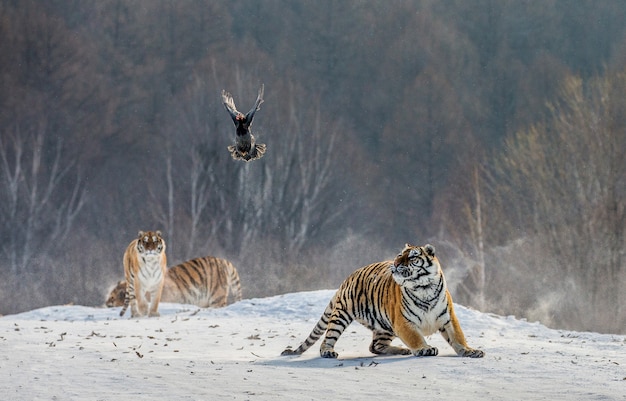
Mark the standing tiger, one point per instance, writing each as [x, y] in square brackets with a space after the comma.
[144, 268]
[406, 298]
[206, 282]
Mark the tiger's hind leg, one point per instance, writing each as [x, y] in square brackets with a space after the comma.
[339, 320]
[381, 344]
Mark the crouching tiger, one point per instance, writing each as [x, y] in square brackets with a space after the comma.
[207, 282]
[406, 298]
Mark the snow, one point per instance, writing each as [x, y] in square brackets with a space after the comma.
[233, 353]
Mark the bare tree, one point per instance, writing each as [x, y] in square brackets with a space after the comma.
[284, 197]
[477, 271]
[40, 200]
[561, 184]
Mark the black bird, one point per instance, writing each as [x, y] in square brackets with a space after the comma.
[245, 147]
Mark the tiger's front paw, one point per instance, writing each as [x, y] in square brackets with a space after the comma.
[426, 351]
[471, 353]
[154, 314]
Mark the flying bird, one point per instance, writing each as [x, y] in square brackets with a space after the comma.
[245, 147]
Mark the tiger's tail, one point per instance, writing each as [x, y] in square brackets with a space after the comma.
[234, 284]
[316, 333]
[126, 303]
[130, 294]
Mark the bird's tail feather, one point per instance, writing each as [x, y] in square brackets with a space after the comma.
[256, 153]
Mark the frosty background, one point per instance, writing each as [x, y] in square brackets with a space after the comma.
[492, 129]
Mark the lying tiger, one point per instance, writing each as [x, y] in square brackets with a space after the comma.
[205, 282]
[406, 298]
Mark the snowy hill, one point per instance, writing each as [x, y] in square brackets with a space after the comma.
[83, 353]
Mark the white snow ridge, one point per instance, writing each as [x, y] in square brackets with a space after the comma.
[233, 353]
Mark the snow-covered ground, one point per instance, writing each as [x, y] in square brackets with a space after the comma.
[84, 353]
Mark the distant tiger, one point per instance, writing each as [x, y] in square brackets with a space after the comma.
[405, 298]
[206, 282]
[144, 269]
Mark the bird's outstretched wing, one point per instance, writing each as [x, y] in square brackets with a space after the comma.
[257, 105]
[229, 104]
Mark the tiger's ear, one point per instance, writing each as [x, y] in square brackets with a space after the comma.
[407, 246]
[141, 233]
[402, 257]
[430, 250]
[158, 233]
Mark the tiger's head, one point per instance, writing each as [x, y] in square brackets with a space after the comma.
[416, 266]
[117, 295]
[150, 243]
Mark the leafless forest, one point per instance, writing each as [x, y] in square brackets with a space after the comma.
[493, 129]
